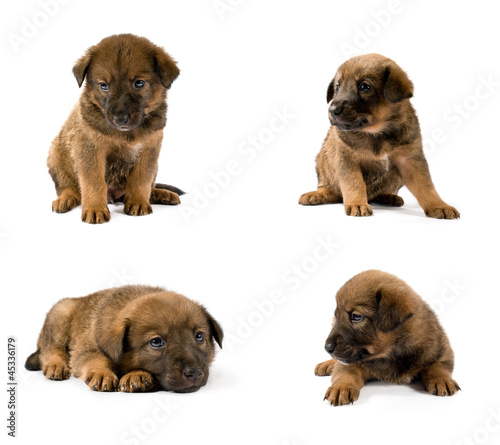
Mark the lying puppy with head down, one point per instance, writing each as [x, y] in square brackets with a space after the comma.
[382, 330]
[374, 146]
[131, 339]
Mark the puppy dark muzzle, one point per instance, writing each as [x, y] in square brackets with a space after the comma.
[342, 114]
[124, 112]
[344, 353]
[193, 375]
[330, 347]
[335, 110]
[345, 122]
[121, 120]
[186, 378]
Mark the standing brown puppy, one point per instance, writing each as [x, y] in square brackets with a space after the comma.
[374, 145]
[382, 330]
[108, 148]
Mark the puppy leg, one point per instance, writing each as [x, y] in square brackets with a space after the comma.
[96, 370]
[347, 381]
[353, 189]
[136, 381]
[325, 368]
[91, 172]
[54, 363]
[52, 353]
[138, 191]
[437, 380]
[417, 178]
[162, 196]
[68, 193]
[323, 195]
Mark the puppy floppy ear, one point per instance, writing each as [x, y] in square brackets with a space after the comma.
[393, 310]
[330, 92]
[111, 338]
[397, 85]
[215, 328]
[81, 67]
[166, 68]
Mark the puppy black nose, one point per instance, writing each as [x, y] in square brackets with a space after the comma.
[330, 347]
[120, 119]
[192, 374]
[336, 109]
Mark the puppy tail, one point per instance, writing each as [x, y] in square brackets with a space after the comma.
[170, 188]
[33, 362]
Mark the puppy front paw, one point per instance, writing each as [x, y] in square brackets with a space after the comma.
[358, 210]
[442, 212]
[137, 208]
[65, 203]
[102, 380]
[341, 394]
[442, 386]
[136, 381]
[313, 198]
[96, 215]
[325, 368]
[322, 195]
[56, 371]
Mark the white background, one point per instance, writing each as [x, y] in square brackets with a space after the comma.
[237, 69]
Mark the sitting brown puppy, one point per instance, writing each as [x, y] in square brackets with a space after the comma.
[131, 339]
[374, 145]
[108, 148]
[382, 330]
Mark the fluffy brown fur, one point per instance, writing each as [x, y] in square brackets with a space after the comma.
[131, 339]
[374, 145]
[382, 330]
[108, 148]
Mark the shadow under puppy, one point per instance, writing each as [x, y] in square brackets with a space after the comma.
[131, 339]
[382, 330]
[374, 146]
[108, 149]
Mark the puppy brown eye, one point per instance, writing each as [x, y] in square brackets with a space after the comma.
[364, 87]
[104, 86]
[199, 337]
[139, 84]
[337, 87]
[156, 342]
[356, 318]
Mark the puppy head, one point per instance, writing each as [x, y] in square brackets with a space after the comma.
[365, 93]
[127, 78]
[373, 309]
[166, 334]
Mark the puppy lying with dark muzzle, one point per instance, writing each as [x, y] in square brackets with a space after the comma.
[374, 146]
[108, 149]
[131, 339]
[382, 330]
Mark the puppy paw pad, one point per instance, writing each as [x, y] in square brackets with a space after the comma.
[358, 210]
[138, 209]
[443, 212]
[136, 381]
[325, 368]
[96, 216]
[56, 371]
[338, 395]
[104, 381]
[442, 387]
[165, 197]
